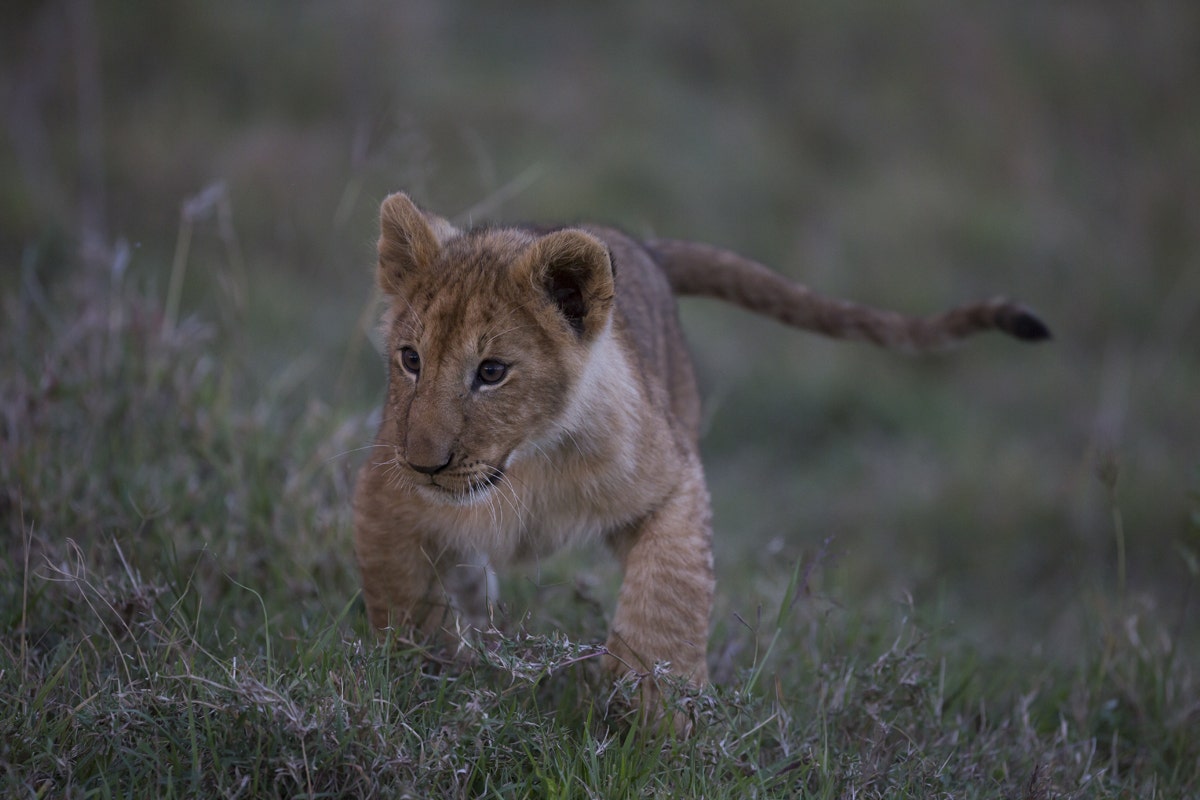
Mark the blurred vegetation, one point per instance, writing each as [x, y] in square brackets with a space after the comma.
[1026, 502]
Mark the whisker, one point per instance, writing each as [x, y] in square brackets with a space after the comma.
[345, 453]
[489, 338]
[508, 494]
[574, 441]
[490, 501]
[396, 476]
[478, 494]
[419, 327]
[541, 451]
[520, 507]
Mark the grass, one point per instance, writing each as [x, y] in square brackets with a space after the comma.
[180, 619]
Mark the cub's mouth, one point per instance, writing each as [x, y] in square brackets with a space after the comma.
[460, 487]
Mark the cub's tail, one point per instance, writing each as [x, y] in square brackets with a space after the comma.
[698, 269]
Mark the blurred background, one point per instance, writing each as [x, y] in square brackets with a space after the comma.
[906, 154]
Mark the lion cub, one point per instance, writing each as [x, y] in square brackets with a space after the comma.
[540, 394]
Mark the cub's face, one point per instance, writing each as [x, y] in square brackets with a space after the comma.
[488, 333]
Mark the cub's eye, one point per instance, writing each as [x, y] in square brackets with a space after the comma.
[491, 372]
[410, 360]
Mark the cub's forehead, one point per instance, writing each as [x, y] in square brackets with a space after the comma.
[469, 291]
[493, 244]
[481, 254]
[477, 262]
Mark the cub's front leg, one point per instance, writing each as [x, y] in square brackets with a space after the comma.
[401, 568]
[666, 596]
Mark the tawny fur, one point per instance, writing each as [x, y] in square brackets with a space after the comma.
[591, 431]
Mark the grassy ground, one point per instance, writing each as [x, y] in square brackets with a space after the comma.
[180, 620]
[970, 576]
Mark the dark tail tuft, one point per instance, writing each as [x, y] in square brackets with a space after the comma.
[1022, 323]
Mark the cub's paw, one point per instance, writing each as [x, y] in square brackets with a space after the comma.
[658, 703]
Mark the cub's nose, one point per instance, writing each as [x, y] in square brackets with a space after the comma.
[425, 469]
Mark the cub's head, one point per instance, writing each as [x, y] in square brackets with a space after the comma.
[488, 332]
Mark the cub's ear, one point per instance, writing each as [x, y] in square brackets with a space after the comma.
[574, 269]
[409, 241]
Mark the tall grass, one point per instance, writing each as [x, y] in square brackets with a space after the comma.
[180, 619]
